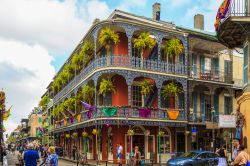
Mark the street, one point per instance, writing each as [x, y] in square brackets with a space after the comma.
[12, 160]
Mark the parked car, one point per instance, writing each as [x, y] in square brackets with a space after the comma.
[195, 158]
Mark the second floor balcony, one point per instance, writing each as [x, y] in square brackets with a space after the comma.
[124, 113]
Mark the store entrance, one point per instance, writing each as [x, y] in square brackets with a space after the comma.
[139, 140]
[180, 142]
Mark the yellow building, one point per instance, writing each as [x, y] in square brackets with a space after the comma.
[35, 121]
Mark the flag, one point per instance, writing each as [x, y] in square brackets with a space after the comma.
[70, 113]
[87, 106]
[6, 114]
[63, 114]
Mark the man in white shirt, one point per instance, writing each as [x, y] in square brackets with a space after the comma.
[235, 150]
[119, 150]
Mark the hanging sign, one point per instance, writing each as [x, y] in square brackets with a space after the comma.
[227, 121]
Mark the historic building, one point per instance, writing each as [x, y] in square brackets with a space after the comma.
[152, 101]
[232, 25]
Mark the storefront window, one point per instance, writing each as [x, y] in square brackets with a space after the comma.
[89, 144]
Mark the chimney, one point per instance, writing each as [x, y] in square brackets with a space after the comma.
[156, 11]
[199, 21]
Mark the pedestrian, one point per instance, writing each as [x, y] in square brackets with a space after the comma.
[20, 157]
[74, 149]
[222, 152]
[31, 157]
[119, 150]
[44, 154]
[136, 156]
[242, 159]
[235, 149]
[52, 159]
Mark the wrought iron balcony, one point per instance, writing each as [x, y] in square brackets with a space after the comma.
[126, 113]
[214, 74]
[125, 62]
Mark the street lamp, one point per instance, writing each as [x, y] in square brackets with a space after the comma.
[212, 112]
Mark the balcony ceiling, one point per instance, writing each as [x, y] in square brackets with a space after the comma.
[233, 31]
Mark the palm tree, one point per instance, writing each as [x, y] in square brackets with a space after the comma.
[171, 89]
[146, 88]
[172, 49]
[144, 41]
[108, 38]
[88, 93]
[106, 86]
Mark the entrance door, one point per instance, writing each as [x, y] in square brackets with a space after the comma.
[180, 142]
[139, 140]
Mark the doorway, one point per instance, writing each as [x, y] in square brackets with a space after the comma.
[139, 140]
[180, 142]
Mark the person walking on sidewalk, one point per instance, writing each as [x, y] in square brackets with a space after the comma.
[52, 159]
[31, 157]
[119, 150]
[44, 154]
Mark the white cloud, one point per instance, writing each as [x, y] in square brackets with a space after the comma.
[126, 5]
[25, 72]
[178, 3]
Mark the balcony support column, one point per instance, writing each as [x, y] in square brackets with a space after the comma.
[158, 84]
[95, 35]
[129, 29]
[129, 81]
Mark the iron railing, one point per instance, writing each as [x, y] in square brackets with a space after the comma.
[125, 62]
[124, 113]
[238, 8]
[214, 74]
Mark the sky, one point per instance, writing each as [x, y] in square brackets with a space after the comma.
[37, 36]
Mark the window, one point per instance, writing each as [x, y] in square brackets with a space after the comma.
[40, 120]
[108, 99]
[245, 65]
[207, 64]
[227, 107]
[136, 96]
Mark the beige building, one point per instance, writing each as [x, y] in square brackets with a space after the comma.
[35, 121]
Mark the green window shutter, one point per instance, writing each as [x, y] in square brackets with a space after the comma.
[181, 100]
[37, 132]
[202, 64]
[245, 65]
[216, 104]
[40, 120]
[195, 104]
[215, 66]
[202, 98]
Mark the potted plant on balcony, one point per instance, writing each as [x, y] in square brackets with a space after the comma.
[88, 52]
[106, 85]
[44, 101]
[171, 89]
[108, 38]
[77, 62]
[146, 88]
[172, 49]
[144, 41]
[88, 93]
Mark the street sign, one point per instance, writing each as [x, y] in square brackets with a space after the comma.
[227, 121]
[211, 125]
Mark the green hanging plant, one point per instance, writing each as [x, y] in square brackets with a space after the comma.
[44, 101]
[77, 62]
[108, 38]
[170, 89]
[172, 49]
[70, 103]
[146, 88]
[88, 93]
[106, 86]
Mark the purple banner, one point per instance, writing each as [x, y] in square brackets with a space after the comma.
[144, 112]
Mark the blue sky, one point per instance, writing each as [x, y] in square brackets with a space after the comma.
[37, 36]
[180, 12]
